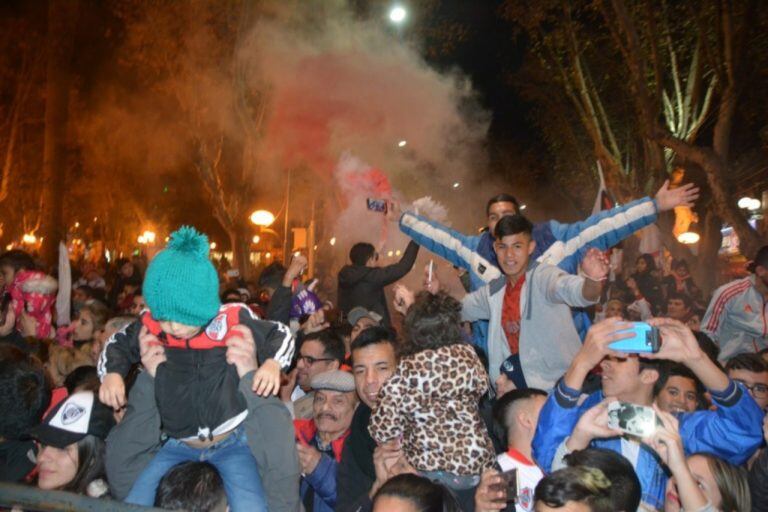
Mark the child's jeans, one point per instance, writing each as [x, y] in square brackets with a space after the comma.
[232, 458]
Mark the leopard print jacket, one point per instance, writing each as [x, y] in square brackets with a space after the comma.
[431, 402]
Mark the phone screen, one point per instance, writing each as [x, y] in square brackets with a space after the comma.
[510, 477]
[377, 205]
[633, 419]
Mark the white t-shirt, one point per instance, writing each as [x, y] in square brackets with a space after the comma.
[528, 475]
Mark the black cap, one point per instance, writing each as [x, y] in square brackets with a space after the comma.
[77, 416]
[761, 258]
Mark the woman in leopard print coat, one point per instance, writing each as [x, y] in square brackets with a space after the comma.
[431, 401]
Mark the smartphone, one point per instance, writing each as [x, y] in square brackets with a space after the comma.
[632, 419]
[377, 205]
[509, 485]
[645, 339]
[332, 316]
[510, 478]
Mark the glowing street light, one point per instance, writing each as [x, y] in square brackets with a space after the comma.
[262, 218]
[688, 238]
[146, 238]
[397, 14]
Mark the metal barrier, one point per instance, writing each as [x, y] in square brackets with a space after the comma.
[31, 498]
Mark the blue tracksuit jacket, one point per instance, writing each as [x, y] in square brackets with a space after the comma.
[732, 432]
[563, 245]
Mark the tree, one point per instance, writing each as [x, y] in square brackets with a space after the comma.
[643, 83]
[62, 19]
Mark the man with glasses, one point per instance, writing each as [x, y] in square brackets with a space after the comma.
[319, 352]
[362, 283]
[751, 371]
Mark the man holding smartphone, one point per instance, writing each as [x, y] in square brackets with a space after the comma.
[731, 432]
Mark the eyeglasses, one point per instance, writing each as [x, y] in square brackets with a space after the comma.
[757, 390]
[309, 360]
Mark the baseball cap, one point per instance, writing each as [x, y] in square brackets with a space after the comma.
[79, 415]
[355, 314]
[333, 380]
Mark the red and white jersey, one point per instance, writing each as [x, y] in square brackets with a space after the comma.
[528, 475]
[737, 318]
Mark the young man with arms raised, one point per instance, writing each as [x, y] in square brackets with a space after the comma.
[563, 245]
[528, 307]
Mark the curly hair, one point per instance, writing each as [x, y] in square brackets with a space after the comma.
[588, 486]
[433, 321]
[24, 392]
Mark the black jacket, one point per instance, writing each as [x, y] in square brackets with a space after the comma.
[196, 389]
[356, 471]
[16, 460]
[758, 483]
[364, 286]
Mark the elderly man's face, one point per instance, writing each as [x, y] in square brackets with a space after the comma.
[333, 411]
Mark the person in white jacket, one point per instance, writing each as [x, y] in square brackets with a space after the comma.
[737, 316]
[528, 308]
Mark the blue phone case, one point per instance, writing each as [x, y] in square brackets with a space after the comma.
[646, 339]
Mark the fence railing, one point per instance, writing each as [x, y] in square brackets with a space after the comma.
[31, 498]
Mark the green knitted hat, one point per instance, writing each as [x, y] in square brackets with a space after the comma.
[181, 284]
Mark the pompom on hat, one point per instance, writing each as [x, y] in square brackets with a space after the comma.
[181, 284]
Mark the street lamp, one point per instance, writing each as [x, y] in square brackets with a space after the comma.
[262, 218]
[397, 14]
[690, 237]
[146, 238]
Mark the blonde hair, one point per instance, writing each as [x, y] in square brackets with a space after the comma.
[732, 483]
[63, 360]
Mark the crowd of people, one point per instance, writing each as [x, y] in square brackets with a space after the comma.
[170, 383]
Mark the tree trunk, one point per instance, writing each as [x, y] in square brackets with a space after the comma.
[62, 17]
[722, 198]
[240, 241]
[706, 271]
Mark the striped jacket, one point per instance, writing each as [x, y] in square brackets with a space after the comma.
[737, 318]
[562, 245]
